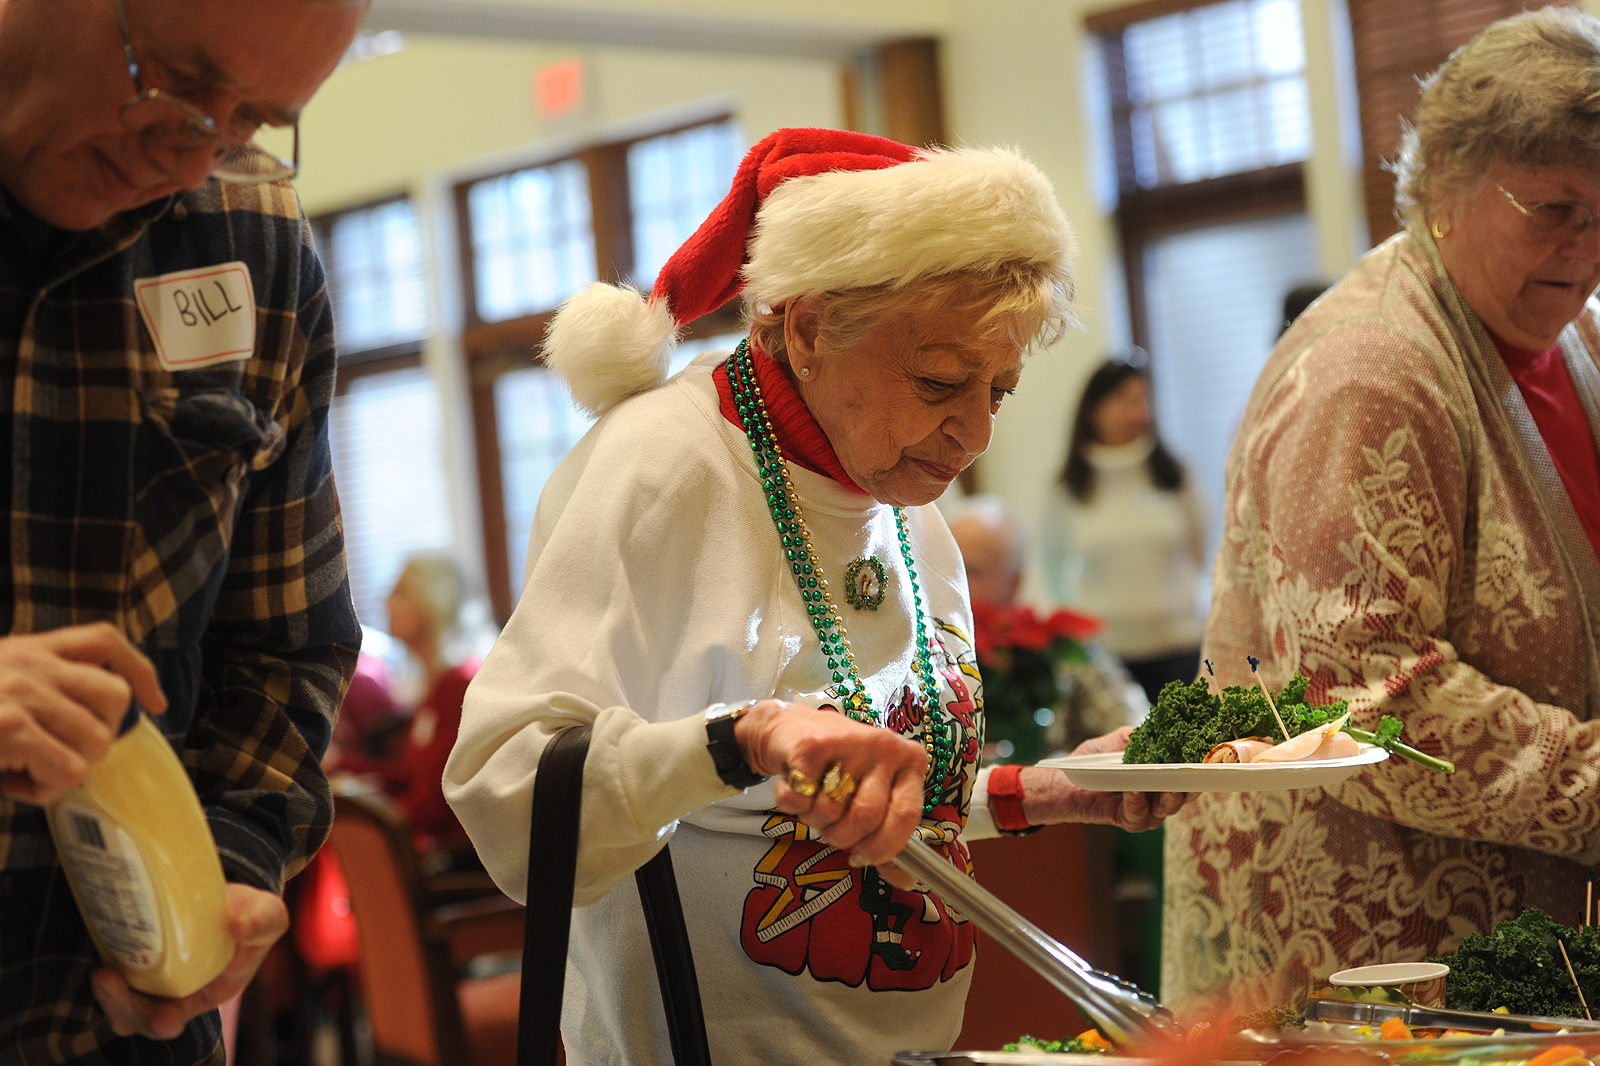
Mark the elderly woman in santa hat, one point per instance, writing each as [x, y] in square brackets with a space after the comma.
[737, 581]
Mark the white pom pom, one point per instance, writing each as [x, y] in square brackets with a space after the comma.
[608, 343]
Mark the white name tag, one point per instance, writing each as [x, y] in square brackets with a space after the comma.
[200, 317]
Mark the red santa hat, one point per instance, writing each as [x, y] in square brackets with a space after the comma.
[810, 211]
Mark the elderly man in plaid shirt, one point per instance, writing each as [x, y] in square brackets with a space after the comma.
[173, 533]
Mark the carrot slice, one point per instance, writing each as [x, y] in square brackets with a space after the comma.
[1092, 1038]
[1395, 1029]
[1560, 1055]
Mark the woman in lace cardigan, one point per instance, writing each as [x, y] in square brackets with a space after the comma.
[1413, 520]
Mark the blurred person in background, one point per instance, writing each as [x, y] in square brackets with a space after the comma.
[993, 549]
[1125, 532]
[425, 615]
[1413, 524]
[1297, 299]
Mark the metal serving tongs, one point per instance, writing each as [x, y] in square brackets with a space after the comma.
[1123, 1014]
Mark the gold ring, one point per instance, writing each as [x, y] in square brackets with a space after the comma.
[838, 784]
[802, 784]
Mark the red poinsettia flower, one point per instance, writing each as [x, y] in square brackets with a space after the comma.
[1074, 624]
[1020, 627]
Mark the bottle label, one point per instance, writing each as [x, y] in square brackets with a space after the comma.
[112, 886]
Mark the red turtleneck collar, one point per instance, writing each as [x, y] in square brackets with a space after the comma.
[801, 439]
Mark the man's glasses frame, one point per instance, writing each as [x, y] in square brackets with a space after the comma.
[241, 162]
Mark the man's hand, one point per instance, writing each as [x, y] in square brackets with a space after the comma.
[62, 695]
[1048, 797]
[256, 919]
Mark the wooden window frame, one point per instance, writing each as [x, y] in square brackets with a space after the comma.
[353, 364]
[495, 348]
[1144, 215]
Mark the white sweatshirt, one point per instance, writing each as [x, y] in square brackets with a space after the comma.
[656, 586]
[1131, 556]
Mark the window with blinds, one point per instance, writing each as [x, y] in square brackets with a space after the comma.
[1395, 46]
[372, 255]
[673, 183]
[1215, 90]
[530, 238]
[1207, 108]
[388, 458]
[384, 422]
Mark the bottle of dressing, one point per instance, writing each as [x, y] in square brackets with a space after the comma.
[143, 866]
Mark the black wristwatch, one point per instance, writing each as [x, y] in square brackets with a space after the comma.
[724, 747]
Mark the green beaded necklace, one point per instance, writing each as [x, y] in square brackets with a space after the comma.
[795, 539]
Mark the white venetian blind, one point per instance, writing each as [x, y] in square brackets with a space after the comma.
[1214, 90]
[388, 461]
[532, 239]
[1211, 329]
[674, 181]
[373, 257]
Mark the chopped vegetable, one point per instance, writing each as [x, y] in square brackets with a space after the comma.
[1394, 1029]
[1277, 1018]
[1189, 721]
[1560, 1055]
[1518, 967]
[1092, 1038]
[1076, 1046]
[1362, 994]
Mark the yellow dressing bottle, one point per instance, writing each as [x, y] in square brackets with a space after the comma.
[143, 866]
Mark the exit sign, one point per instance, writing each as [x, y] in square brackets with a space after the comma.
[558, 89]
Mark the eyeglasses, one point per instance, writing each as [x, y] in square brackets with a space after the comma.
[163, 121]
[1564, 219]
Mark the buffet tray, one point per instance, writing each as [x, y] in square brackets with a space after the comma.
[1353, 1012]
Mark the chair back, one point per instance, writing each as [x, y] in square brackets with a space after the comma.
[407, 977]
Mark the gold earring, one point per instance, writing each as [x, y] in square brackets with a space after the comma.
[1440, 228]
[805, 371]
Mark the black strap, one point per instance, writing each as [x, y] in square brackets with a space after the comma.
[552, 868]
[669, 939]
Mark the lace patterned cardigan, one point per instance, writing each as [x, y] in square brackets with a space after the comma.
[1395, 530]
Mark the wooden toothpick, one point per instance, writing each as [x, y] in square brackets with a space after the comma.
[1574, 977]
[1588, 900]
[1254, 662]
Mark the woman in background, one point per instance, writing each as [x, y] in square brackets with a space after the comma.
[1127, 537]
[424, 612]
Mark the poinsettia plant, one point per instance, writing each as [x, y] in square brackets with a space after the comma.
[1019, 651]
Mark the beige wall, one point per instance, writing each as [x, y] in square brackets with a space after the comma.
[447, 106]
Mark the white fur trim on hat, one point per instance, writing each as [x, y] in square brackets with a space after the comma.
[608, 343]
[950, 210]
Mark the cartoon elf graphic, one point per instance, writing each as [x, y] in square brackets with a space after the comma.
[810, 910]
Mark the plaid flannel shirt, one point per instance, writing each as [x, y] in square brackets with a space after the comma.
[195, 511]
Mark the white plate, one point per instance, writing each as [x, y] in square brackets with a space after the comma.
[1106, 772]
